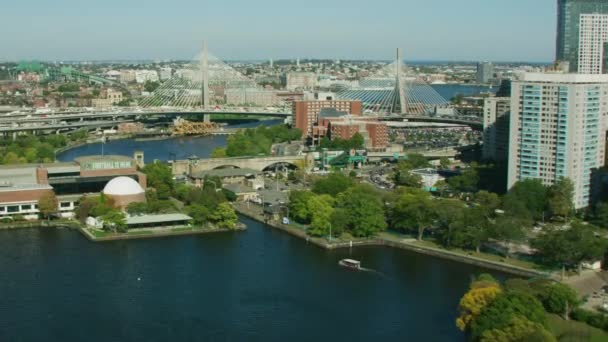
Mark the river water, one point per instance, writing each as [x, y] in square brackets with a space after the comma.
[258, 285]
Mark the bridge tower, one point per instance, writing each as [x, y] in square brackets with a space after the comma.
[400, 100]
[205, 81]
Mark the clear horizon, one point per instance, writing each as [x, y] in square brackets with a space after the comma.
[433, 30]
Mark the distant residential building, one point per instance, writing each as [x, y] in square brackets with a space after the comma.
[127, 76]
[485, 72]
[165, 73]
[496, 128]
[593, 37]
[301, 80]
[557, 129]
[251, 97]
[142, 76]
[107, 98]
[113, 75]
[306, 113]
[568, 27]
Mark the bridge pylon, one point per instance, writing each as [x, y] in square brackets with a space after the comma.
[399, 105]
[205, 81]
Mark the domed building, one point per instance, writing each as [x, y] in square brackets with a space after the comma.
[124, 191]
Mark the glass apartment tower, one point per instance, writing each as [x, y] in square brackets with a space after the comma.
[568, 27]
[557, 129]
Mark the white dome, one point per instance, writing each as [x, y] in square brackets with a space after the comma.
[123, 186]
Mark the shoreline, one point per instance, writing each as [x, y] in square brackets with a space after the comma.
[385, 241]
[159, 234]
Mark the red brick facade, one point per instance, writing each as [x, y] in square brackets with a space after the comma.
[306, 113]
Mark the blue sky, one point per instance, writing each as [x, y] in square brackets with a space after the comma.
[496, 30]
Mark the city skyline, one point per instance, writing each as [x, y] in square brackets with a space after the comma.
[262, 30]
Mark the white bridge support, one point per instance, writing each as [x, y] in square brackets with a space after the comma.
[205, 81]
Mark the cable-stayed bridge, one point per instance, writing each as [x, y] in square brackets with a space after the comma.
[207, 85]
[207, 81]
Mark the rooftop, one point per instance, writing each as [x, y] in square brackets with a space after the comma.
[561, 77]
[239, 188]
[232, 172]
[99, 158]
[160, 218]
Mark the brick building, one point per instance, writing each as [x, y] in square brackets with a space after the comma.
[306, 113]
[22, 186]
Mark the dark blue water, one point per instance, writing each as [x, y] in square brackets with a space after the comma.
[258, 285]
[166, 149]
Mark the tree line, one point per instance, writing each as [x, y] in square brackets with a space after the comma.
[256, 141]
[517, 309]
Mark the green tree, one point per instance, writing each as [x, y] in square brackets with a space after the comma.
[557, 298]
[526, 198]
[413, 161]
[160, 177]
[219, 152]
[518, 329]
[414, 211]
[137, 208]
[449, 213]
[445, 163]
[333, 184]
[508, 228]
[471, 230]
[361, 211]
[482, 292]
[224, 216]
[115, 221]
[559, 198]
[601, 214]
[298, 206]
[468, 181]
[48, 204]
[151, 86]
[406, 178]
[572, 246]
[199, 213]
[321, 210]
[500, 313]
[85, 207]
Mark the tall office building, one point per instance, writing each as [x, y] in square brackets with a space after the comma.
[593, 36]
[557, 129]
[485, 72]
[496, 128]
[568, 24]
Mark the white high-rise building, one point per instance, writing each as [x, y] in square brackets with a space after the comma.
[557, 129]
[593, 35]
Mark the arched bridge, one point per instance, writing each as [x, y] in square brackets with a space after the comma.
[193, 165]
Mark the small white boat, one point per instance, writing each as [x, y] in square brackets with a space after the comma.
[350, 263]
